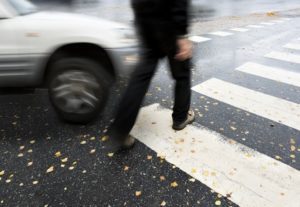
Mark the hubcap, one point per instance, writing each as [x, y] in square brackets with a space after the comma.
[75, 92]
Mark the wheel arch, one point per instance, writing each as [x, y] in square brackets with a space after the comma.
[86, 50]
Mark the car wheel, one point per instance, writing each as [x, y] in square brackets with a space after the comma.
[78, 89]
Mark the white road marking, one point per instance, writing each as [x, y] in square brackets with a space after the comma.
[240, 29]
[270, 107]
[293, 46]
[255, 26]
[276, 74]
[278, 21]
[199, 39]
[221, 33]
[267, 23]
[247, 177]
[288, 57]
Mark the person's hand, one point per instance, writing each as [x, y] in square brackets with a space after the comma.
[185, 49]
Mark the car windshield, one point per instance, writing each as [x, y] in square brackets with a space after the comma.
[23, 7]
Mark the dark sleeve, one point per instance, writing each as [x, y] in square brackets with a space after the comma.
[180, 16]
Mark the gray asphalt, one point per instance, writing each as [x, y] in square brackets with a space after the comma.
[31, 135]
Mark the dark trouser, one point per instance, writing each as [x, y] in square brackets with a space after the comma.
[139, 84]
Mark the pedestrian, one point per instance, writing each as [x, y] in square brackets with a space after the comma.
[162, 26]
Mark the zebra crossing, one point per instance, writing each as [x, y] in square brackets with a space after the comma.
[243, 175]
[199, 39]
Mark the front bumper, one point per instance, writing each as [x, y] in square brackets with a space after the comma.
[124, 60]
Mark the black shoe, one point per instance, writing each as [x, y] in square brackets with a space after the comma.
[128, 142]
[181, 125]
[116, 143]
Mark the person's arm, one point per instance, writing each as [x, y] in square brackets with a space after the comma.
[181, 22]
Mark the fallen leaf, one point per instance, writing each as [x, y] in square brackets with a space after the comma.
[293, 148]
[92, 151]
[22, 147]
[2, 172]
[278, 157]
[149, 157]
[174, 184]
[138, 193]
[292, 141]
[64, 160]
[92, 138]
[228, 195]
[233, 128]
[231, 141]
[293, 156]
[35, 182]
[20, 155]
[104, 138]
[32, 141]
[29, 164]
[29, 151]
[194, 170]
[110, 154]
[270, 14]
[205, 173]
[71, 168]
[218, 203]
[162, 178]
[58, 154]
[83, 142]
[163, 203]
[126, 168]
[8, 181]
[192, 180]
[50, 169]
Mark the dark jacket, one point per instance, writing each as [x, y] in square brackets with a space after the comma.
[168, 15]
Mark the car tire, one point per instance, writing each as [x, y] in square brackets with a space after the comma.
[78, 89]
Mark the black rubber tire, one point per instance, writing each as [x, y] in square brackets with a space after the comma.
[88, 66]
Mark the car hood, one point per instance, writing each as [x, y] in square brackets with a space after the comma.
[77, 19]
[77, 27]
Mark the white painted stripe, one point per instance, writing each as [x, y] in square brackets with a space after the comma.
[286, 19]
[272, 73]
[199, 39]
[221, 33]
[250, 178]
[240, 29]
[270, 107]
[288, 57]
[267, 23]
[293, 46]
[278, 21]
[255, 26]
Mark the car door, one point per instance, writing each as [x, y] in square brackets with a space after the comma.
[8, 46]
[17, 64]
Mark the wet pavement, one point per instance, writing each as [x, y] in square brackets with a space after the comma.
[46, 162]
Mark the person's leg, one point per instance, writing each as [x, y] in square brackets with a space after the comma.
[181, 72]
[132, 98]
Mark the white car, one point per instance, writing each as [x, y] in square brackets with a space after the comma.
[75, 56]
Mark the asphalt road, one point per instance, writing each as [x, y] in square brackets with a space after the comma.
[246, 131]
